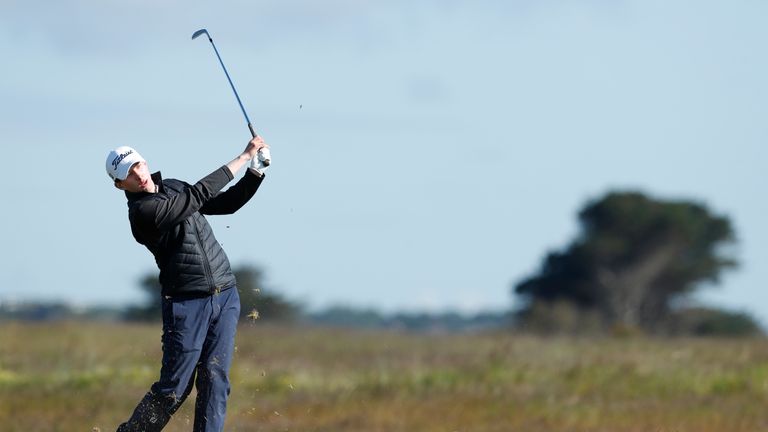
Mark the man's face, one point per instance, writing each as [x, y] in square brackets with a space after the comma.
[138, 179]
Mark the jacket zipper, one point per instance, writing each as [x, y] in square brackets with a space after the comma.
[206, 264]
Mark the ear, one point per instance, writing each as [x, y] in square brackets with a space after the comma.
[119, 184]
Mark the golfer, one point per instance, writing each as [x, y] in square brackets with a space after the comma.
[200, 303]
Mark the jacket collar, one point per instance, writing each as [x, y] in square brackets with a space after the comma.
[157, 178]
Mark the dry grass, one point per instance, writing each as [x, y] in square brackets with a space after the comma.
[77, 376]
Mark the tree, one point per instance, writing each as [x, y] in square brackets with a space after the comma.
[634, 256]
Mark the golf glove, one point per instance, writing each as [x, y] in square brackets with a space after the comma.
[262, 161]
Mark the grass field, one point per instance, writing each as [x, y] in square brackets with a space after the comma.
[81, 376]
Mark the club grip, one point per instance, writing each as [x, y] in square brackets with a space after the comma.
[253, 132]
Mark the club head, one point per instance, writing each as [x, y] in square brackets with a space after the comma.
[199, 32]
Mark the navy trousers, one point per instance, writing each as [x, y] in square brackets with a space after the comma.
[198, 343]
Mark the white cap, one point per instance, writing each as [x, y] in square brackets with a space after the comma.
[120, 161]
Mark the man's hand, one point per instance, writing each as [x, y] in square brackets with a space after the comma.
[253, 147]
[262, 161]
[249, 154]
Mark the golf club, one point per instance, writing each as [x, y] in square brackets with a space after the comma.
[264, 156]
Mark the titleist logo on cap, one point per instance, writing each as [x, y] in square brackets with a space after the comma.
[116, 161]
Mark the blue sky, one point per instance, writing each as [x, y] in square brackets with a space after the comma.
[427, 154]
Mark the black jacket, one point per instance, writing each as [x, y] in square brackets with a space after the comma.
[170, 223]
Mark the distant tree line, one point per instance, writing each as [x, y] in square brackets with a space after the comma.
[345, 316]
[55, 311]
[632, 268]
[262, 305]
[258, 302]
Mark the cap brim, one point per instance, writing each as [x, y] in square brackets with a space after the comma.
[126, 164]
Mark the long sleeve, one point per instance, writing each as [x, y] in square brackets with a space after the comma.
[235, 197]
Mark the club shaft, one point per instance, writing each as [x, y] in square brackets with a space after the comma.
[239, 102]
